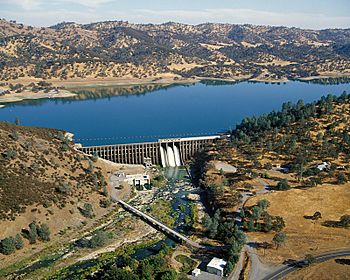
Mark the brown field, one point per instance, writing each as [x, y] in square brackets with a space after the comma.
[329, 270]
[303, 235]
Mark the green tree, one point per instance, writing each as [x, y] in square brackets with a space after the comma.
[242, 213]
[316, 216]
[18, 242]
[90, 168]
[341, 178]
[44, 232]
[7, 246]
[94, 157]
[345, 220]
[279, 239]
[98, 239]
[105, 191]
[145, 270]
[168, 275]
[116, 273]
[14, 135]
[228, 268]
[278, 224]
[267, 223]
[32, 233]
[256, 213]
[263, 204]
[87, 210]
[283, 185]
[268, 166]
[251, 225]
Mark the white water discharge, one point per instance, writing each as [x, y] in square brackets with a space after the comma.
[163, 156]
[171, 157]
[177, 156]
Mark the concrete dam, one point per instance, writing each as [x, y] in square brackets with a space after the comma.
[170, 152]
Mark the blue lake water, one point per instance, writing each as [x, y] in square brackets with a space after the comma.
[166, 112]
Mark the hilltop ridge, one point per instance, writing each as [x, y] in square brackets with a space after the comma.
[118, 49]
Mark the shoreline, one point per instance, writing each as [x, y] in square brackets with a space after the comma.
[17, 97]
[72, 84]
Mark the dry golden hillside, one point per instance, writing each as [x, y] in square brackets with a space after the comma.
[120, 50]
[40, 166]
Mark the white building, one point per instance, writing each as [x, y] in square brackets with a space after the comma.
[216, 266]
[323, 166]
[138, 179]
[134, 179]
[196, 272]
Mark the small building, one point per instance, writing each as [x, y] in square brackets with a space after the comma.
[323, 166]
[138, 180]
[216, 266]
[196, 272]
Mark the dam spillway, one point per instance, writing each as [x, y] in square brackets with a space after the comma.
[169, 152]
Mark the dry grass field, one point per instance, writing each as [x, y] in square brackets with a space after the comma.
[305, 236]
[337, 269]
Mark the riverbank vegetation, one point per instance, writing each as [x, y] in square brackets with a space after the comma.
[122, 264]
[163, 211]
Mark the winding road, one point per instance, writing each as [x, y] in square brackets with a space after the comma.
[286, 269]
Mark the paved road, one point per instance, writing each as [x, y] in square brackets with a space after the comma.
[258, 269]
[286, 269]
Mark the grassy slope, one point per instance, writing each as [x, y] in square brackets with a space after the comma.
[28, 189]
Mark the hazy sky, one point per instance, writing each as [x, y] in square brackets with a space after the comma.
[314, 14]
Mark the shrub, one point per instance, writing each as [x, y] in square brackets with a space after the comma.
[90, 168]
[341, 178]
[10, 154]
[94, 157]
[98, 239]
[18, 242]
[105, 203]
[279, 239]
[32, 233]
[14, 135]
[345, 220]
[283, 185]
[87, 210]
[64, 188]
[263, 204]
[43, 232]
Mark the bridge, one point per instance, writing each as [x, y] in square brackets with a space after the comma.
[166, 152]
[159, 225]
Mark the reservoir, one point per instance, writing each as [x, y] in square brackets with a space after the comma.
[110, 115]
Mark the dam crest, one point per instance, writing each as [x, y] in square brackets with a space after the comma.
[169, 152]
